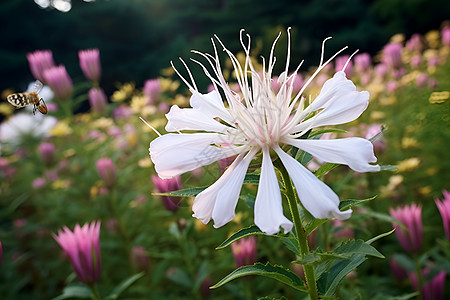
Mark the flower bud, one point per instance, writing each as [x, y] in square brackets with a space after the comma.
[97, 100]
[90, 63]
[392, 55]
[409, 236]
[444, 209]
[40, 60]
[59, 81]
[244, 251]
[152, 89]
[139, 258]
[166, 186]
[47, 153]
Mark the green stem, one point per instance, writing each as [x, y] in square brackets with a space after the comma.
[300, 231]
[419, 277]
[95, 293]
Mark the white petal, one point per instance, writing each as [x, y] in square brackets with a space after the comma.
[210, 104]
[268, 207]
[220, 199]
[342, 107]
[192, 119]
[354, 152]
[317, 198]
[174, 154]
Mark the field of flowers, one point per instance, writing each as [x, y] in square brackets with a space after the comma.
[83, 213]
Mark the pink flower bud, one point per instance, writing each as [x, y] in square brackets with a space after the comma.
[392, 55]
[166, 186]
[90, 63]
[244, 251]
[40, 60]
[152, 89]
[107, 172]
[409, 236]
[139, 258]
[433, 289]
[97, 100]
[47, 152]
[363, 62]
[83, 248]
[444, 209]
[59, 81]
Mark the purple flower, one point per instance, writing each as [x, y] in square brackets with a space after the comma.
[90, 63]
[244, 251]
[47, 152]
[444, 209]
[381, 70]
[363, 62]
[410, 234]
[107, 171]
[97, 100]
[59, 81]
[432, 290]
[152, 88]
[166, 186]
[392, 55]
[83, 248]
[40, 60]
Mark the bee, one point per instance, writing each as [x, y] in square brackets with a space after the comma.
[28, 98]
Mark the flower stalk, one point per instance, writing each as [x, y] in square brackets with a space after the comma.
[299, 229]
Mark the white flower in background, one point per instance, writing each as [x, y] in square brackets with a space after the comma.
[25, 124]
[261, 121]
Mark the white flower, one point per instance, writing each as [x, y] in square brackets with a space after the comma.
[260, 120]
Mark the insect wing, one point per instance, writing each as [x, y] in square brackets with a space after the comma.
[19, 99]
[37, 86]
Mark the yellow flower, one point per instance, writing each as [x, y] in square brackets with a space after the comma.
[426, 190]
[432, 38]
[61, 129]
[60, 184]
[439, 97]
[6, 109]
[377, 115]
[398, 38]
[408, 165]
[102, 123]
[145, 163]
[69, 153]
[138, 103]
[408, 142]
[119, 96]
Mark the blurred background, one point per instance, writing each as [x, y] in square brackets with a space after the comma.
[144, 36]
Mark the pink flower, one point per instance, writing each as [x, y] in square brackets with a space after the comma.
[445, 33]
[381, 70]
[340, 64]
[107, 171]
[59, 81]
[392, 55]
[416, 60]
[83, 248]
[414, 43]
[422, 79]
[152, 89]
[409, 236]
[244, 251]
[363, 62]
[166, 186]
[391, 86]
[432, 290]
[40, 60]
[97, 100]
[39, 183]
[121, 112]
[47, 152]
[342, 231]
[444, 209]
[90, 63]
[139, 258]
[379, 145]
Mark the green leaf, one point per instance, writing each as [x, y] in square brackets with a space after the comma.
[123, 286]
[329, 281]
[318, 258]
[251, 230]
[75, 291]
[189, 192]
[251, 178]
[326, 130]
[379, 236]
[375, 137]
[357, 247]
[325, 168]
[346, 204]
[181, 277]
[275, 272]
[292, 244]
[313, 225]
